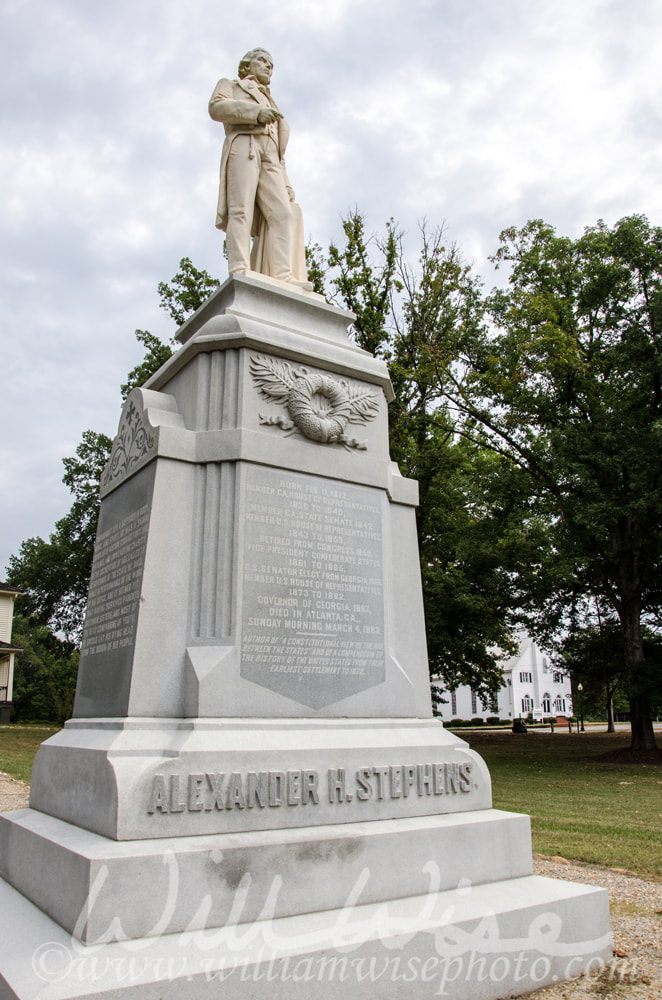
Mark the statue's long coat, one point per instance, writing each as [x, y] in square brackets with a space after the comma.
[236, 103]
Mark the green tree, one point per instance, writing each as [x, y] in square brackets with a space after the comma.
[316, 267]
[366, 286]
[156, 354]
[186, 291]
[567, 386]
[54, 575]
[467, 545]
[44, 676]
[409, 314]
[594, 657]
[181, 297]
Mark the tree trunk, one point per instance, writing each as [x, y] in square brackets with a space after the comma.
[643, 736]
[611, 728]
[641, 722]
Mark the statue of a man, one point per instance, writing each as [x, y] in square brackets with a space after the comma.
[255, 197]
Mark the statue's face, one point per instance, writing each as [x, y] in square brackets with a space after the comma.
[261, 67]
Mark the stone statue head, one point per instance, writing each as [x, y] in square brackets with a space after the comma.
[244, 64]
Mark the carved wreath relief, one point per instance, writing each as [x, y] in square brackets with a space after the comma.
[320, 407]
[134, 440]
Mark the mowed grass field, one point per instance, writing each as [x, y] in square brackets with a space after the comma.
[18, 745]
[582, 809]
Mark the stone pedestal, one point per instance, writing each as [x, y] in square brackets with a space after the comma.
[253, 795]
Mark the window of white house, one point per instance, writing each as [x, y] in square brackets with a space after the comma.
[547, 703]
[525, 676]
[559, 704]
[527, 703]
[558, 677]
[545, 664]
[474, 702]
[453, 704]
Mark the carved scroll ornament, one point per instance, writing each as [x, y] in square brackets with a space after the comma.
[135, 440]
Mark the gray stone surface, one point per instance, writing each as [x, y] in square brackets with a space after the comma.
[243, 303]
[313, 587]
[136, 779]
[253, 779]
[101, 890]
[114, 597]
[225, 443]
[471, 943]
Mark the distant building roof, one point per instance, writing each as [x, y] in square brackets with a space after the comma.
[6, 647]
[9, 590]
[524, 642]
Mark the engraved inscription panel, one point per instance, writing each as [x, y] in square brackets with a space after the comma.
[178, 792]
[112, 609]
[104, 675]
[313, 598]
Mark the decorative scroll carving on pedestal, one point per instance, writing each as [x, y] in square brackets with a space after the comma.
[319, 406]
[134, 442]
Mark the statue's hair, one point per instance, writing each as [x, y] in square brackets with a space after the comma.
[246, 61]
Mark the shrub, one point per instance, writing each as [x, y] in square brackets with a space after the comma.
[493, 720]
[476, 722]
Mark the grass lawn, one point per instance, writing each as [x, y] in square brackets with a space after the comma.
[18, 745]
[607, 814]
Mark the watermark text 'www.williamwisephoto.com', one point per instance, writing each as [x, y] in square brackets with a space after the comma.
[53, 962]
[424, 943]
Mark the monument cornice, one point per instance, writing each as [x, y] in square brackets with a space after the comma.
[238, 316]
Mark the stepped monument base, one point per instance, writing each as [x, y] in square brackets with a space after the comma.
[253, 798]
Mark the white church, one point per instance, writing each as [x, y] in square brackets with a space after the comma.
[531, 686]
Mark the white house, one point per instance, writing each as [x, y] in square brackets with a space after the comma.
[531, 685]
[7, 597]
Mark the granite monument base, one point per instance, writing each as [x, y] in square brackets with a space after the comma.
[469, 943]
[253, 798]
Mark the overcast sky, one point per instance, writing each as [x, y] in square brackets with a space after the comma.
[479, 113]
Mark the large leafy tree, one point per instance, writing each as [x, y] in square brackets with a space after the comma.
[45, 674]
[54, 575]
[408, 313]
[593, 655]
[567, 386]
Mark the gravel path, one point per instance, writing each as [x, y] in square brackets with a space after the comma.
[13, 794]
[636, 921]
[636, 914]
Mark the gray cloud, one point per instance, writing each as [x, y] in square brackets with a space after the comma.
[482, 114]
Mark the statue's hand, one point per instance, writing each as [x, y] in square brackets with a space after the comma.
[290, 193]
[267, 115]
